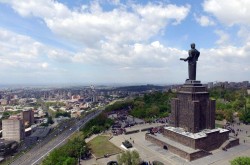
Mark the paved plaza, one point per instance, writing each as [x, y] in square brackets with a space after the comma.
[151, 152]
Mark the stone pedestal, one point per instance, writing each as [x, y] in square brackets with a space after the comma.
[192, 109]
[192, 133]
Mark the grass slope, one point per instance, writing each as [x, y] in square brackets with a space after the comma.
[101, 145]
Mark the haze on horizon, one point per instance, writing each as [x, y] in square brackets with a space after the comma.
[115, 41]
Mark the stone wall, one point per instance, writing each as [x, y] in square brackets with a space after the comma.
[175, 150]
[232, 142]
[179, 138]
[212, 141]
[192, 109]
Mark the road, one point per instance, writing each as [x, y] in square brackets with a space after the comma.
[42, 149]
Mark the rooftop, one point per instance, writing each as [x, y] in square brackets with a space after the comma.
[175, 144]
[198, 135]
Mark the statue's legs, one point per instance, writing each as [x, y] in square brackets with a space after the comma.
[192, 71]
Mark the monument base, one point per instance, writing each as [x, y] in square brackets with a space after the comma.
[191, 146]
[207, 139]
[176, 148]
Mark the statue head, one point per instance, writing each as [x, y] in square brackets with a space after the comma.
[193, 45]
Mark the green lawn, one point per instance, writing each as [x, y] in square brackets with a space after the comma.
[100, 146]
[218, 125]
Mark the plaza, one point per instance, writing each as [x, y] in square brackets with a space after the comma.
[150, 152]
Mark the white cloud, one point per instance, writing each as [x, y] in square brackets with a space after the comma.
[18, 46]
[244, 34]
[115, 2]
[229, 12]
[153, 55]
[223, 37]
[129, 59]
[39, 8]
[121, 40]
[116, 37]
[92, 25]
[22, 52]
[228, 63]
[159, 14]
[44, 65]
[204, 20]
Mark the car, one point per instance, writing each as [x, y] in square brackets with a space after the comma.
[127, 144]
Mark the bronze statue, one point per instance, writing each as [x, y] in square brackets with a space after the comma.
[192, 58]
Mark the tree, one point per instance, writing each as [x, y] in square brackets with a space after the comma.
[76, 145]
[50, 120]
[228, 114]
[219, 115]
[241, 161]
[59, 157]
[245, 115]
[153, 110]
[68, 153]
[153, 104]
[6, 115]
[97, 125]
[129, 158]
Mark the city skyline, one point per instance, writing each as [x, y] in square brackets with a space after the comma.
[112, 41]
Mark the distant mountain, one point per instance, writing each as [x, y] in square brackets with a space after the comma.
[140, 88]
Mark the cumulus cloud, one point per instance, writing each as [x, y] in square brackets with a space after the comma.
[118, 36]
[18, 46]
[158, 14]
[223, 37]
[124, 38]
[91, 25]
[204, 20]
[244, 34]
[226, 62]
[39, 8]
[22, 52]
[131, 60]
[229, 12]
[153, 55]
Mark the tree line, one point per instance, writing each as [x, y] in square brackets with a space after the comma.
[230, 102]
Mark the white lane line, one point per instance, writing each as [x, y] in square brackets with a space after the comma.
[56, 145]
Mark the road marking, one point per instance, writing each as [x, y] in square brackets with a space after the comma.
[86, 119]
[60, 142]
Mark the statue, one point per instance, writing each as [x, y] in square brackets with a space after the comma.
[192, 58]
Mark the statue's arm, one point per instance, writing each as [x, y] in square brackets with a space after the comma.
[189, 57]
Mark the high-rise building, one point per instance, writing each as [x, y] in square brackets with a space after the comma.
[13, 129]
[28, 117]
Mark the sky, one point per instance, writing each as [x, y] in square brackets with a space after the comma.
[118, 41]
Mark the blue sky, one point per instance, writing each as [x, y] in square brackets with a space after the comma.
[112, 41]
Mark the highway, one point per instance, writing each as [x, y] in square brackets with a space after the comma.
[43, 148]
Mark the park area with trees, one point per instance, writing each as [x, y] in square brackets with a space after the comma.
[230, 103]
